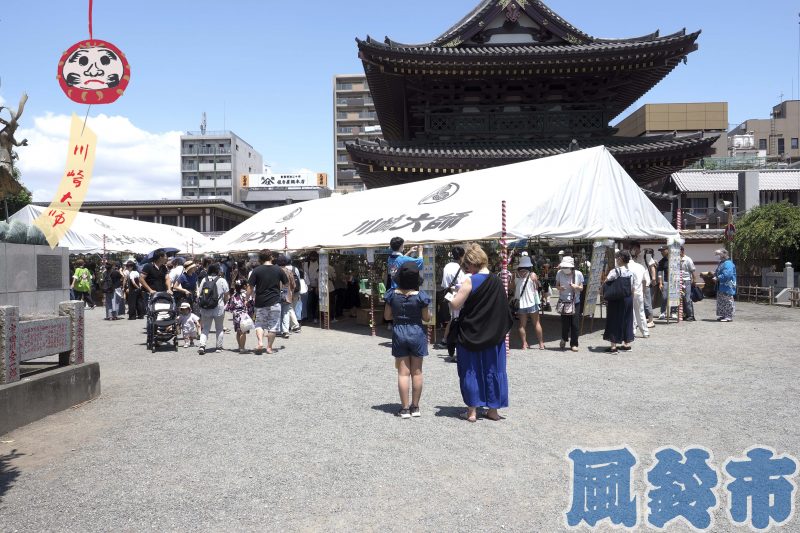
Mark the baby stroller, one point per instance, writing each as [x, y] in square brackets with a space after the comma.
[162, 321]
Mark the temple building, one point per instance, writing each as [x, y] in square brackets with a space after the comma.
[513, 81]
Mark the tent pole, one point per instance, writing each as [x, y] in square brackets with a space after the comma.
[680, 270]
[504, 257]
[104, 248]
[371, 276]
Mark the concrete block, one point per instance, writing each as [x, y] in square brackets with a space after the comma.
[20, 267]
[44, 394]
[3, 268]
[29, 302]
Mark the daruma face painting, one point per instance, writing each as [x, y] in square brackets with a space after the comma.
[93, 72]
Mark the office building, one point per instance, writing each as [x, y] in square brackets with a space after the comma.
[353, 118]
[211, 163]
[262, 191]
[775, 138]
[205, 216]
[700, 120]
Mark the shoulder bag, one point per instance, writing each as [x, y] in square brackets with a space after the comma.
[618, 288]
[567, 307]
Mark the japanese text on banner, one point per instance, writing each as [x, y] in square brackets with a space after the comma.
[57, 219]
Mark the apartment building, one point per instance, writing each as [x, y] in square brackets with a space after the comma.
[354, 118]
[776, 136]
[211, 163]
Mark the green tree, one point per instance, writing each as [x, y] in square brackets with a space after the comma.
[769, 235]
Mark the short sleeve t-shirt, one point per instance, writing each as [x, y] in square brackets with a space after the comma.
[638, 273]
[639, 260]
[450, 272]
[407, 309]
[266, 281]
[563, 280]
[394, 263]
[155, 277]
[222, 290]
[687, 268]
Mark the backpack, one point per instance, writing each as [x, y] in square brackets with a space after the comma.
[209, 297]
[107, 284]
[296, 280]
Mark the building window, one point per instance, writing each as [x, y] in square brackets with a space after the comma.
[344, 86]
[698, 206]
[762, 144]
[147, 218]
[171, 220]
[341, 114]
[192, 221]
[794, 143]
[344, 129]
[342, 159]
[781, 145]
[340, 144]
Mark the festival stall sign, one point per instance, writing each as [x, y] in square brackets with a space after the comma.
[429, 279]
[580, 195]
[599, 249]
[674, 281]
[90, 233]
[92, 72]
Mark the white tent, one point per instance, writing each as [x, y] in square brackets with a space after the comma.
[85, 236]
[581, 195]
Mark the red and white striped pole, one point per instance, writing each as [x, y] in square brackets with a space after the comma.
[285, 240]
[681, 296]
[504, 257]
[104, 249]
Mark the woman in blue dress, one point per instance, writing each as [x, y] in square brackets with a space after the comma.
[483, 323]
[407, 306]
[725, 277]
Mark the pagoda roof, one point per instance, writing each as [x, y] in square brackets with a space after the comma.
[486, 11]
[516, 54]
[646, 158]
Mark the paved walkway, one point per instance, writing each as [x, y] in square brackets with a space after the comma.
[306, 440]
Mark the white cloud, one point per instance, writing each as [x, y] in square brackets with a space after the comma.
[131, 163]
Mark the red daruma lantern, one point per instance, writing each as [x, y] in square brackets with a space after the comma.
[93, 72]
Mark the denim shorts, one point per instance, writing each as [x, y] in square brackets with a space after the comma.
[268, 318]
[530, 310]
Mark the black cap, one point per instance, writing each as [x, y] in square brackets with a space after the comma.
[408, 276]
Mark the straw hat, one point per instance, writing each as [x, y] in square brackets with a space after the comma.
[567, 262]
[186, 305]
[188, 265]
[525, 261]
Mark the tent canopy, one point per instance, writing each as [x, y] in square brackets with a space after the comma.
[580, 195]
[85, 236]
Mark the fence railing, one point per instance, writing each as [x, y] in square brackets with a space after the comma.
[753, 294]
[794, 298]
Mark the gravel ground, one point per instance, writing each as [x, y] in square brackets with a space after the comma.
[306, 439]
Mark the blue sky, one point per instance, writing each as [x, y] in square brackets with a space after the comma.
[268, 64]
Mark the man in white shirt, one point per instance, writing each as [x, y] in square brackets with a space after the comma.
[646, 263]
[687, 280]
[452, 276]
[639, 287]
[312, 280]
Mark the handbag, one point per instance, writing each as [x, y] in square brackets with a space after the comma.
[452, 333]
[245, 323]
[618, 288]
[514, 303]
[566, 307]
[697, 294]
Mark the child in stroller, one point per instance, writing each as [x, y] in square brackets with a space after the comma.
[162, 321]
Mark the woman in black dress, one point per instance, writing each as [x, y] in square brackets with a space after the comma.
[619, 322]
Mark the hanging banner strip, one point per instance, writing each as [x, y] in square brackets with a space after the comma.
[57, 219]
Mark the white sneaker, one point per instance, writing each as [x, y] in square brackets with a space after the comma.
[662, 316]
[646, 335]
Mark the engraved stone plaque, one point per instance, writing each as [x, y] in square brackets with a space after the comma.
[49, 272]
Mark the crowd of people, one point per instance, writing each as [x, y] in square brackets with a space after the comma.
[277, 295]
